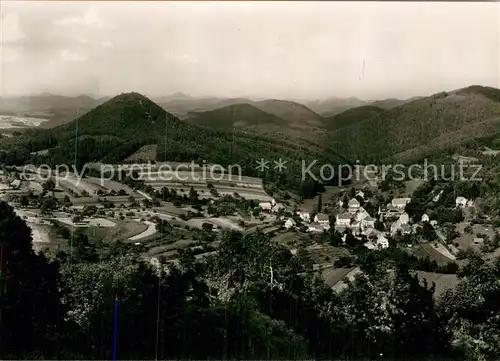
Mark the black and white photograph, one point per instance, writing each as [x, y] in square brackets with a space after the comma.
[250, 180]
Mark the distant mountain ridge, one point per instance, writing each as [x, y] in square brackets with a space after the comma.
[421, 126]
[116, 129]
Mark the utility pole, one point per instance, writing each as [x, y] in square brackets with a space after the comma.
[158, 314]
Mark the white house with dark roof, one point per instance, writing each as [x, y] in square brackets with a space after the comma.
[353, 205]
[425, 218]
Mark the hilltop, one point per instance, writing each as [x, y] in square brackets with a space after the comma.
[332, 106]
[267, 116]
[116, 129]
[181, 105]
[243, 116]
[351, 117]
[423, 126]
[288, 110]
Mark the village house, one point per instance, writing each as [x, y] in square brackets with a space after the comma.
[290, 223]
[356, 227]
[368, 222]
[353, 205]
[382, 242]
[478, 241]
[15, 184]
[276, 207]
[460, 202]
[390, 212]
[265, 206]
[304, 216]
[360, 194]
[433, 222]
[436, 198]
[318, 228]
[371, 233]
[370, 245]
[404, 218]
[395, 227]
[343, 220]
[401, 225]
[322, 218]
[400, 203]
[425, 218]
[406, 229]
[361, 214]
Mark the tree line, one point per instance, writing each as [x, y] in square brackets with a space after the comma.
[229, 306]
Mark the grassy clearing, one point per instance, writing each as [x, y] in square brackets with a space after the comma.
[426, 250]
[123, 231]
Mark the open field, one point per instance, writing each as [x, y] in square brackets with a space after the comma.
[321, 253]
[442, 281]
[109, 185]
[122, 231]
[332, 275]
[11, 121]
[69, 181]
[427, 250]
[181, 244]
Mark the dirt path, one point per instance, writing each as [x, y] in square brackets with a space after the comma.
[148, 232]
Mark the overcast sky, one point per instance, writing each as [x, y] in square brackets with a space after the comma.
[298, 50]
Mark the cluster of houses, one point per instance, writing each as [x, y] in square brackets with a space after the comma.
[320, 222]
[272, 206]
[360, 223]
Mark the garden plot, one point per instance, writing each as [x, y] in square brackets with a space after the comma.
[72, 183]
[109, 185]
[332, 275]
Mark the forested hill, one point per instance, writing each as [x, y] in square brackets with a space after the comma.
[119, 127]
[421, 126]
